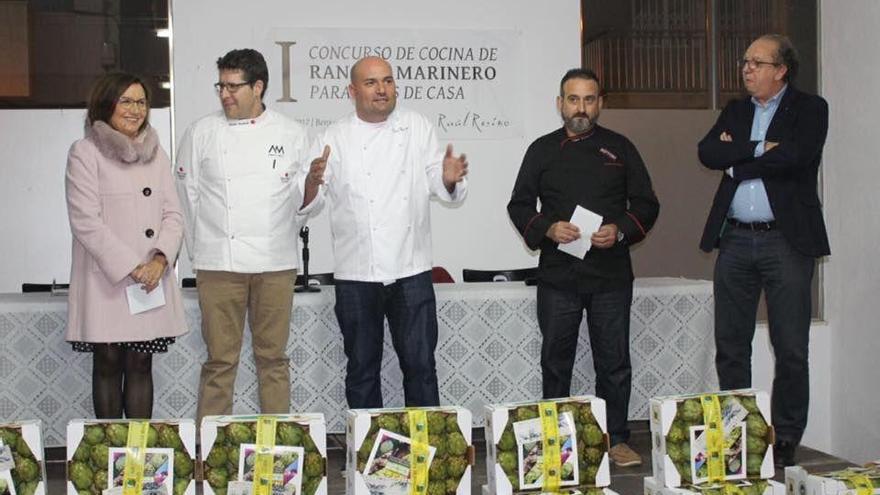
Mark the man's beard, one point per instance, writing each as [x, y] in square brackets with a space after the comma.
[578, 123]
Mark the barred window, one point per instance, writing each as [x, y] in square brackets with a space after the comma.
[685, 53]
[51, 51]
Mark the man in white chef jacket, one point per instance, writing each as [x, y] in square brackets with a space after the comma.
[237, 173]
[379, 168]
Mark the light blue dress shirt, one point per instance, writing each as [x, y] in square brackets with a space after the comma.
[750, 203]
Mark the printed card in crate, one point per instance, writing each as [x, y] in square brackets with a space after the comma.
[737, 487]
[22, 468]
[381, 442]
[850, 481]
[91, 468]
[229, 445]
[711, 437]
[516, 438]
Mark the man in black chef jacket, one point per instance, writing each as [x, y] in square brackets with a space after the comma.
[585, 164]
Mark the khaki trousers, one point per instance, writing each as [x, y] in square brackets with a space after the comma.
[224, 299]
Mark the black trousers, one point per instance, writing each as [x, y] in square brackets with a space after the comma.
[749, 262]
[411, 309]
[559, 316]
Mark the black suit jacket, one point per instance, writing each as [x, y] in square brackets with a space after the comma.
[789, 171]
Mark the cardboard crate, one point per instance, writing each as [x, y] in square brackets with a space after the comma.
[374, 435]
[21, 437]
[230, 432]
[82, 435]
[590, 444]
[681, 417]
[654, 487]
[798, 481]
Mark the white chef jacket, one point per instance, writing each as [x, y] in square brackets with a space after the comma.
[378, 182]
[237, 181]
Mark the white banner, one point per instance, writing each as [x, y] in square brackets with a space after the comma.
[465, 81]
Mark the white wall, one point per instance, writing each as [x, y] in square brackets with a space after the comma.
[850, 72]
[33, 156]
[476, 235]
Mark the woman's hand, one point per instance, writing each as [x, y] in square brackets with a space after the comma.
[150, 274]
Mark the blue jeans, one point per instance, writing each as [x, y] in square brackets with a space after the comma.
[411, 309]
[559, 316]
[749, 262]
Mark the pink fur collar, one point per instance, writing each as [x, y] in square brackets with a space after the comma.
[113, 144]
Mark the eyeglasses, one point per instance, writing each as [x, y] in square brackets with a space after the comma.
[753, 64]
[129, 104]
[231, 87]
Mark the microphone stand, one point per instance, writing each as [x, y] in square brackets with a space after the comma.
[305, 287]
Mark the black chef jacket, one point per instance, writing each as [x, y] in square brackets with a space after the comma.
[600, 170]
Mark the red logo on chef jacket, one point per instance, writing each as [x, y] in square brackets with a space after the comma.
[285, 178]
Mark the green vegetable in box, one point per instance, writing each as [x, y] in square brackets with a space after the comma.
[689, 413]
[591, 445]
[26, 474]
[88, 468]
[221, 462]
[450, 459]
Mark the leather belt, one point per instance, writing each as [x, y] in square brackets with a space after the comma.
[753, 226]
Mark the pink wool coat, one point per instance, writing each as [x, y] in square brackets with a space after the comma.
[122, 207]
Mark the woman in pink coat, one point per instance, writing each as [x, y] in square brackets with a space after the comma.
[127, 227]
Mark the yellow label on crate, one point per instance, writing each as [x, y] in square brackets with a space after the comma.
[419, 451]
[135, 456]
[550, 436]
[264, 463]
[861, 483]
[714, 436]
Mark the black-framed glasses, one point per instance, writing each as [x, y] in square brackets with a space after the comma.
[231, 87]
[753, 64]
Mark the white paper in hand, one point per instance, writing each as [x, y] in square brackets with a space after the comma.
[588, 223]
[139, 300]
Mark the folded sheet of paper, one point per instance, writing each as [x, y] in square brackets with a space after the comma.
[588, 223]
[139, 300]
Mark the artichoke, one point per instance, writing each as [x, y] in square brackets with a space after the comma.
[507, 441]
[117, 434]
[314, 465]
[288, 434]
[99, 455]
[81, 475]
[436, 422]
[456, 444]
[217, 457]
[593, 436]
[217, 478]
[239, 433]
[94, 434]
[183, 465]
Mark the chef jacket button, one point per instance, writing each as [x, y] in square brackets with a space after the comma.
[149, 233]
[147, 191]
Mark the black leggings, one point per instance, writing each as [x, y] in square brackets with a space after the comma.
[122, 382]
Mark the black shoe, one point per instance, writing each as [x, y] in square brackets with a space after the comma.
[783, 450]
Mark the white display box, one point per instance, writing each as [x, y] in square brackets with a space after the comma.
[32, 434]
[362, 435]
[76, 429]
[497, 419]
[313, 422]
[800, 482]
[653, 487]
[663, 412]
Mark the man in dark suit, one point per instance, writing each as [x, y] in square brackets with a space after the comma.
[766, 220]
